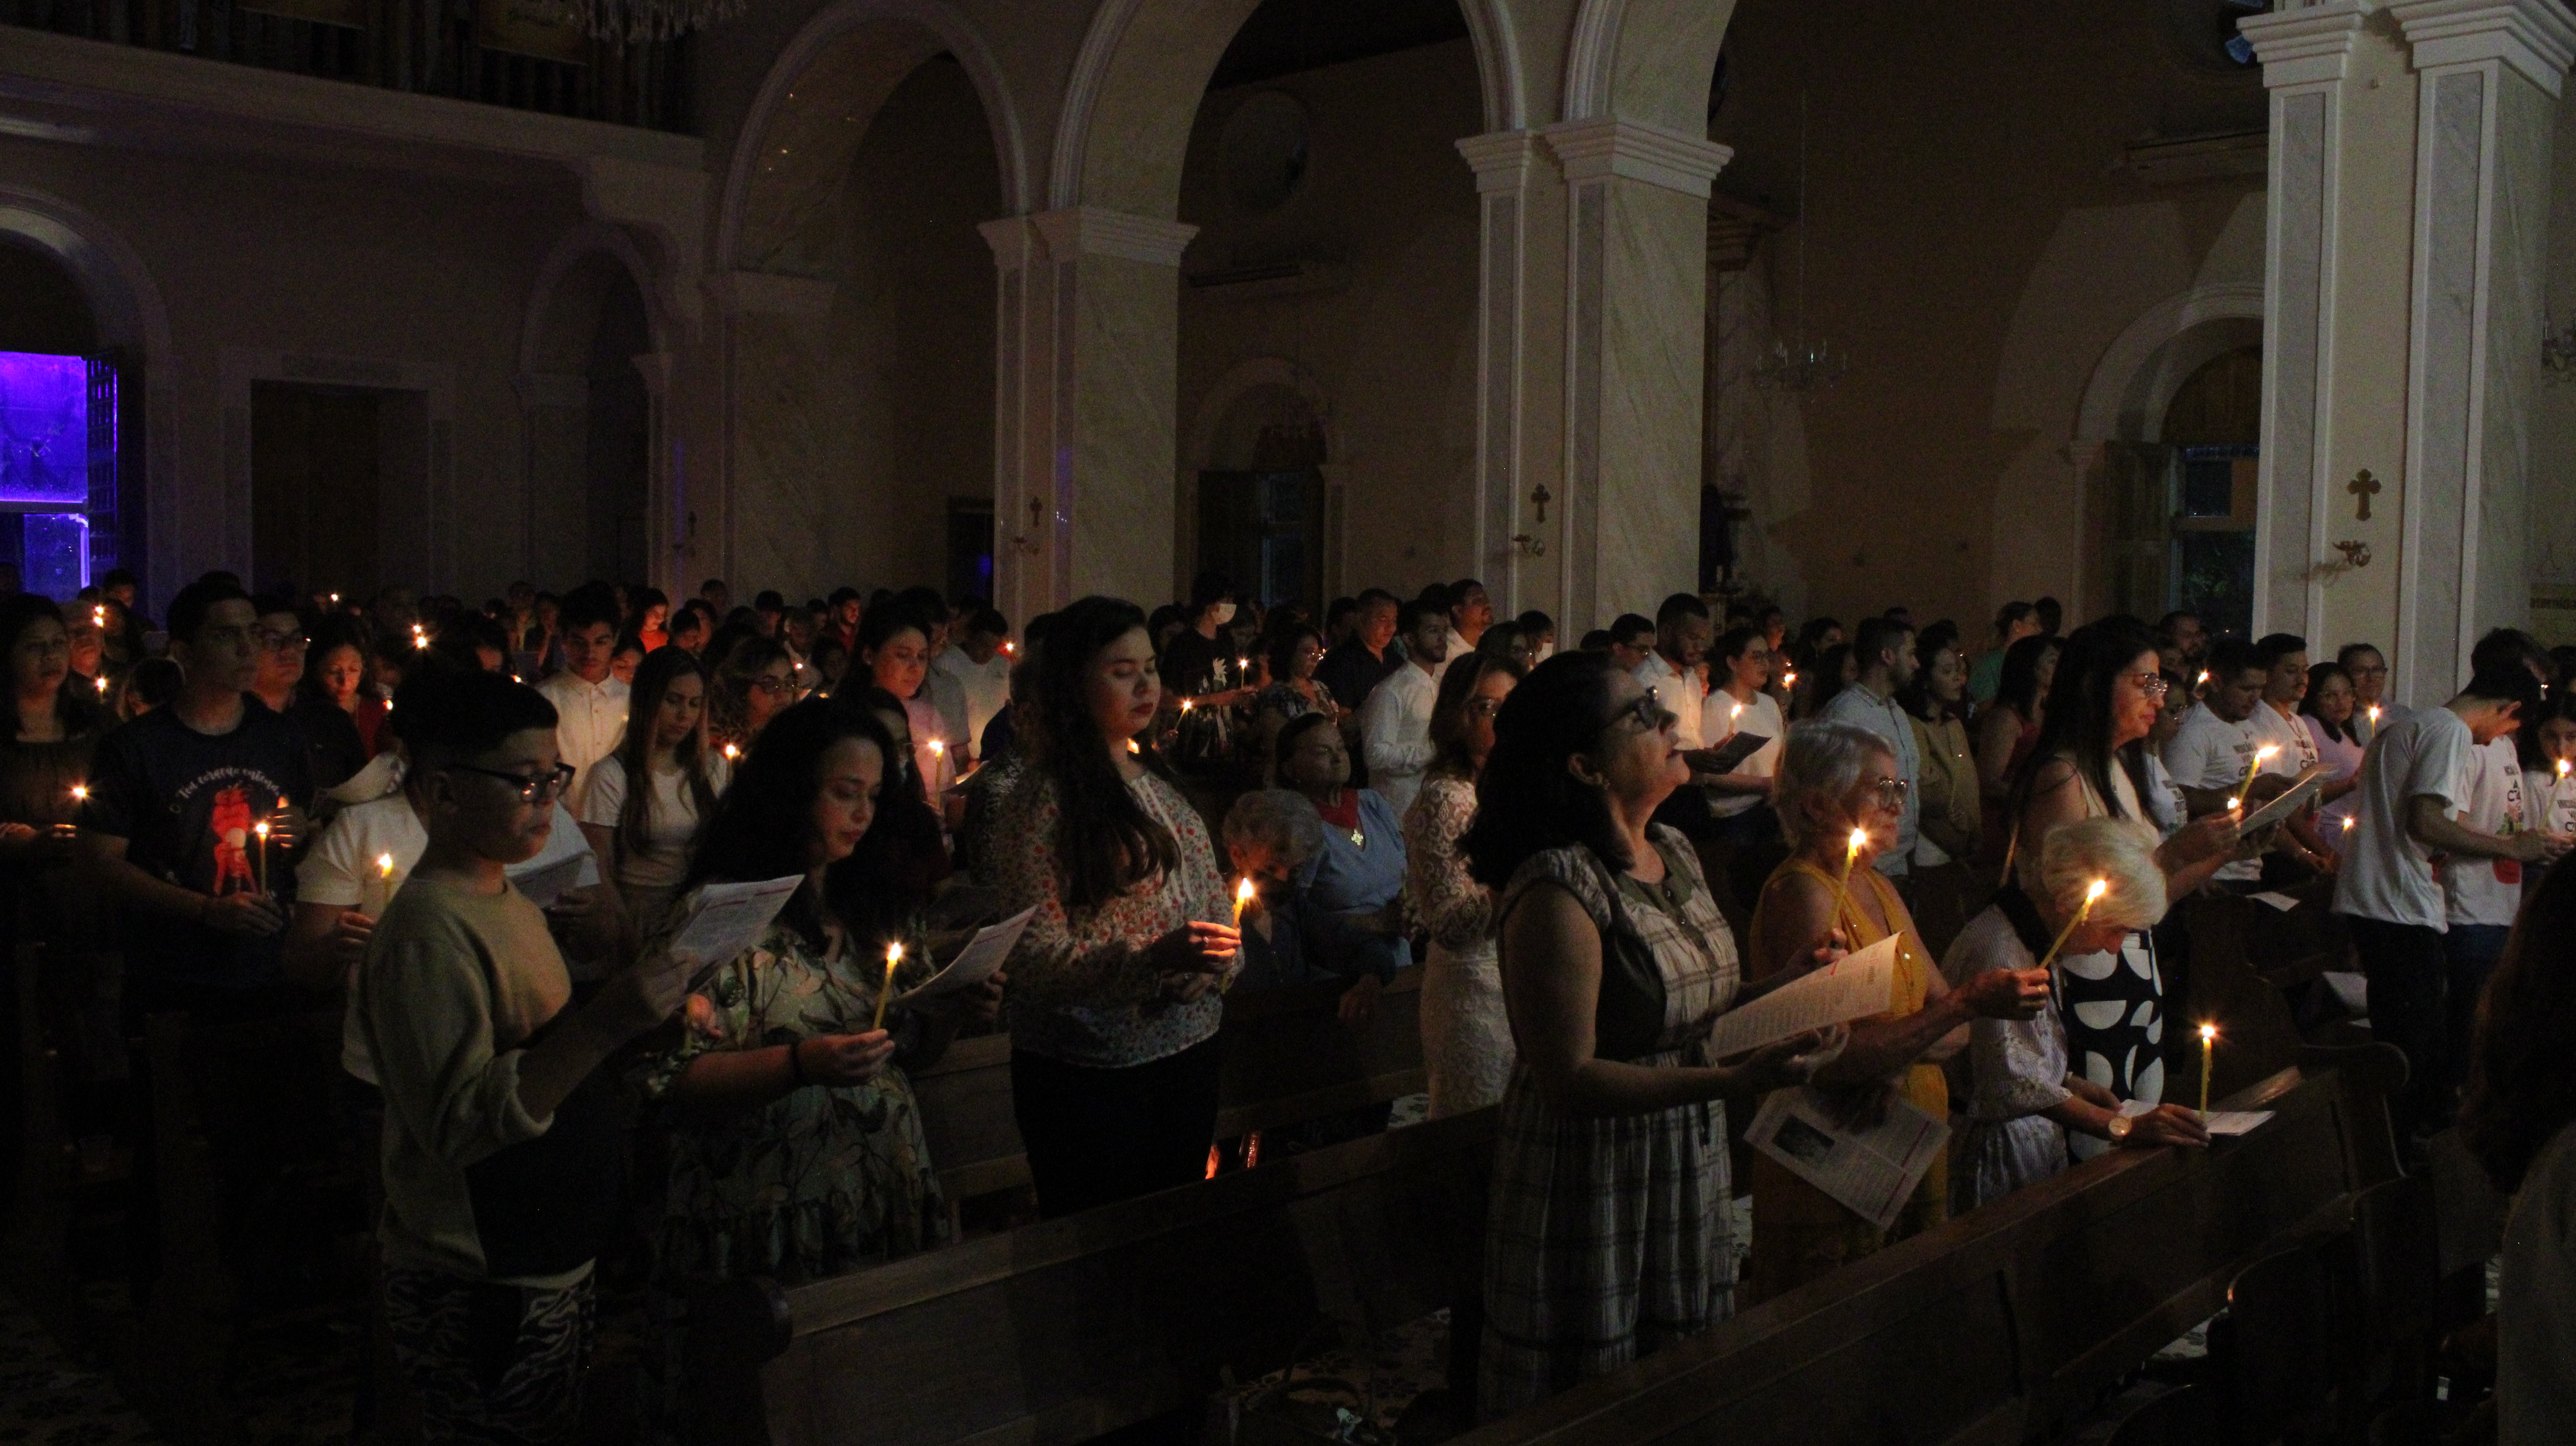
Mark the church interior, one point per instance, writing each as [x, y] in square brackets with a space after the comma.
[1133, 514]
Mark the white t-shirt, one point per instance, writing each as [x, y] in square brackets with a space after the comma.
[336, 869]
[2210, 752]
[2387, 873]
[2483, 890]
[2276, 729]
[2550, 802]
[1678, 693]
[987, 687]
[671, 820]
[2164, 801]
[1761, 718]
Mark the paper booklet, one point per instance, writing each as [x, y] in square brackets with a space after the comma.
[725, 919]
[1725, 756]
[1852, 987]
[1872, 1172]
[544, 886]
[2217, 1122]
[976, 962]
[2302, 792]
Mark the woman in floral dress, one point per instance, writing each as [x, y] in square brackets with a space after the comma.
[1466, 1035]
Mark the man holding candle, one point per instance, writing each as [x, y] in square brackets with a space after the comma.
[2216, 750]
[1885, 650]
[2414, 781]
[2372, 706]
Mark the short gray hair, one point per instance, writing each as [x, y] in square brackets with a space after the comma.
[2114, 850]
[1279, 820]
[1821, 760]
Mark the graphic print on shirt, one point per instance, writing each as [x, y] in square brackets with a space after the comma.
[229, 820]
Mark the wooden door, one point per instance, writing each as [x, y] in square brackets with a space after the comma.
[316, 457]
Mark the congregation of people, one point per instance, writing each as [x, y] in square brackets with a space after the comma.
[479, 832]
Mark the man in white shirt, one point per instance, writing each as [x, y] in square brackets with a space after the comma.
[1885, 648]
[590, 704]
[2218, 742]
[1395, 724]
[1672, 672]
[2372, 708]
[1471, 611]
[2413, 782]
[2284, 660]
[976, 663]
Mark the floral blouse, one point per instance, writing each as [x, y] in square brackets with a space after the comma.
[1083, 990]
[1455, 910]
[819, 1181]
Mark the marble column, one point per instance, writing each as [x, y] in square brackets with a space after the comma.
[1636, 237]
[1086, 394]
[2490, 73]
[1516, 454]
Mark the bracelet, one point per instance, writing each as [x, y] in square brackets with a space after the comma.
[796, 1064]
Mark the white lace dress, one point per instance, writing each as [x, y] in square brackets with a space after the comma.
[1466, 1035]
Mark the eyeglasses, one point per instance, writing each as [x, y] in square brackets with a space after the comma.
[775, 687]
[543, 787]
[2151, 684]
[1483, 707]
[1891, 792]
[1648, 711]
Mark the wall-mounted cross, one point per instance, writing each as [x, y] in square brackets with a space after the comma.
[2364, 487]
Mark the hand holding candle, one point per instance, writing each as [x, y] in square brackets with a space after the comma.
[2208, 1042]
[379, 890]
[1842, 885]
[2262, 756]
[259, 875]
[894, 956]
[2092, 895]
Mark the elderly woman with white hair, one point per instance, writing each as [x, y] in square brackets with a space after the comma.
[1839, 798]
[1271, 835]
[2027, 1100]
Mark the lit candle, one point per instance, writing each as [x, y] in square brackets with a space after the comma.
[732, 753]
[102, 685]
[1243, 894]
[1185, 707]
[260, 877]
[894, 956]
[2262, 755]
[2092, 895]
[1243, 670]
[1132, 746]
[2208, 1042]
[420, 640]
[80, 793]
[380, 889]
[1733, 716]
[2374, 715]
[1842, 885]
[938, 749]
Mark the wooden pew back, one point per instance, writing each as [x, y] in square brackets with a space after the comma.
[1287, 1058]
[1059, 1331]
[2000, 1325]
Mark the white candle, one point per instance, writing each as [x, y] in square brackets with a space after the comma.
[2092, 896]
[894, 956]
[379, 891]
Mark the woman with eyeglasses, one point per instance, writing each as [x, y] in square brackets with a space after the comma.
[1609, 1235]
[1840, 803]
[1295, 651]
[1740, 802]
[755, 683]
[2089, 761]
[1466, 1035]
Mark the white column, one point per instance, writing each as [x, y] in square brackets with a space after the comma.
[1636, 238]
[1090, 336]
[2490, 75]
[1506, 164]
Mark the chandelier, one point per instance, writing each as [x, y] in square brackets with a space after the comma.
[1805, 367]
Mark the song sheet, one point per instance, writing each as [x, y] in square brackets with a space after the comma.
[2217, 1122]
[543, 886]
[725, 919]
[1870, 1172]
[1852, 987]
[975, 963]
[2302, 792]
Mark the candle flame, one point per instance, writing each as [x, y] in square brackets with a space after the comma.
[894, 956]
[1859, 836]
[2348, 823]
[80, 793]
[2203, 679]
[1243, 892]
[261, 828]
[1185, 705]
[2266, 751]
[2093, 895]
[937, 748]
[2208, 1032]
[2374, 712]
[102, 687]
[1132, 748]
[385, 865]
[732, 753]
[2233, 805]
[420, 640]
[2562, 768]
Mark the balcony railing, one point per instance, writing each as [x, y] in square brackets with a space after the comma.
[524, 54]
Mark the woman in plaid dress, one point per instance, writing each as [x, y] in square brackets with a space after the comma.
[1607, 1237]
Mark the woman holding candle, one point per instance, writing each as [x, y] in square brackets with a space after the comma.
[1840, 801]
[795, 1144]
[1296, 651]
[1466, 1034]
[1609, 1235]
[894, 655]
[754, 682]
[2327, 715]
[1114, 1013]
[2548, 752]
[341, 677]
[2027, 1099]
[644, 835]
[47, 751]
[1739, 803]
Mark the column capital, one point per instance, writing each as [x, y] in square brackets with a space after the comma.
[2307, 45]
[2535, 38]
[1593, 150]
[1501, 160]
[1097, 231]
[1014, 242]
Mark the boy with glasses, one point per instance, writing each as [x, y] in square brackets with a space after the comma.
[501, 1155]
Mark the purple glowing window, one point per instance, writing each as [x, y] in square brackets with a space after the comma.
[44, 429]
[56, 558]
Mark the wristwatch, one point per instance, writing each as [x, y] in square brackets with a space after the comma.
[2119, 1127]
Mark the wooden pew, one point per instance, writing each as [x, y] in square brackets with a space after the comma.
[2005, 1323]
[1059, 1331]
[1287, 1058]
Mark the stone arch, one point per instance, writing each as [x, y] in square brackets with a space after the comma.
[1648, 61]
[1143, 69]
[568, 291]
[845, 62]
[1257, 374]
[587, 395]
[127, 308]
[2154, 355]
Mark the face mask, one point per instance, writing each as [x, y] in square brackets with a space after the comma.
[1542, 653]
[1224, 614]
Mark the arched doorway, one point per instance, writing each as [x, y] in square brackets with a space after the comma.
[590, 415]
[2179, 497]
[67, 428]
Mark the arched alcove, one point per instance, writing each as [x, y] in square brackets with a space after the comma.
[590, 414]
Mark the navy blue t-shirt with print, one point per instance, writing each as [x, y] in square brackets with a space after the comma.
[186, 803]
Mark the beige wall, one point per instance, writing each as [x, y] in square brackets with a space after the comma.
[1975, 250]
[1391, 354]
[2553, 414]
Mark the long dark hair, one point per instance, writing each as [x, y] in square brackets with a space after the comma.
[2078, 726]
[2317, 678]
[729, 690]
[1106, 843]
[1527, 801]
[330, 635]
[1449, 712]
[653, 679]
[760, 827]
[2521, 1092]
[77, 712]
[2017, 687]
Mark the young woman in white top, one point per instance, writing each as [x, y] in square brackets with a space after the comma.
[646, 835]
[1740, 801]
